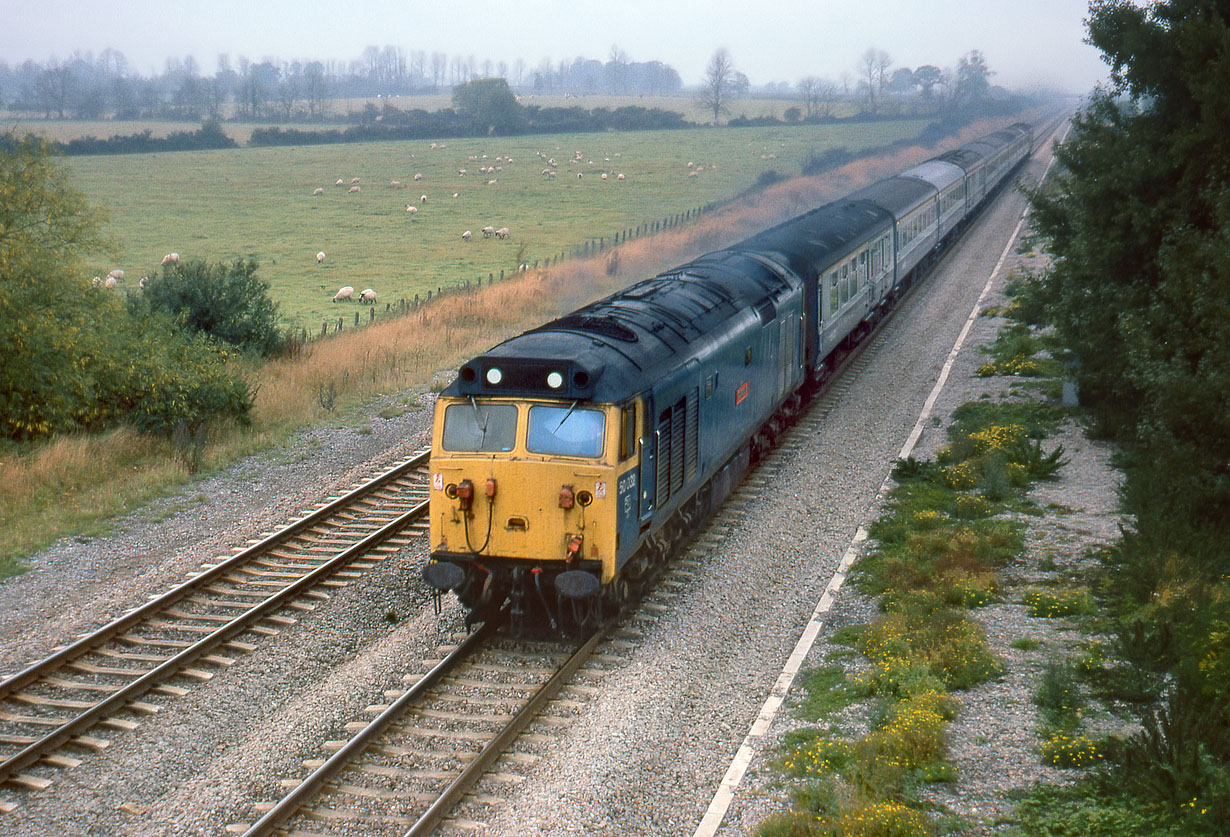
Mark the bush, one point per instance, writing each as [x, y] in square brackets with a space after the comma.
[230, 304]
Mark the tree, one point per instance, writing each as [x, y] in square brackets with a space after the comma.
[1139, 227]
[874, 66]
[716, 89]
[927, 77]
[973, 79]
[490, 102]
[71, 355]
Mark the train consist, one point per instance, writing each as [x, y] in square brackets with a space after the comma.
[568, 461]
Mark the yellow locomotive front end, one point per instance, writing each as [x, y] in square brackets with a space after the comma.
[523, 503]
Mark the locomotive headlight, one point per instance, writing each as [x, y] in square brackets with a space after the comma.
[494, 376]
[555, 380]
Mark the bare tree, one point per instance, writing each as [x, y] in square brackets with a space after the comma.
[315, 89]
[873, 66]
[715, 93]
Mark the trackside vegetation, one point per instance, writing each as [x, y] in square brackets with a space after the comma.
[950, 525]
[1140, 294]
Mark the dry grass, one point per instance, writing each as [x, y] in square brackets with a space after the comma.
[74, 484]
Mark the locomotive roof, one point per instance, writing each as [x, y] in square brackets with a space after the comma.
[608, 350]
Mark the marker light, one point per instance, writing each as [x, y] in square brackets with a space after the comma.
[494, 376]
[555, 380]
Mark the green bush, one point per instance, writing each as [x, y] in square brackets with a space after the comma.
[229, 303]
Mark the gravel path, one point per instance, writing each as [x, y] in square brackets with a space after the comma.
[647, 753]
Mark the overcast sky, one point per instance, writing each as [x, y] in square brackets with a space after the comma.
[1026, 43]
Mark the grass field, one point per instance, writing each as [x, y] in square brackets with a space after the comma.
[258, 202]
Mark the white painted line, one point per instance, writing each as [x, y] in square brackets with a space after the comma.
[712, 820]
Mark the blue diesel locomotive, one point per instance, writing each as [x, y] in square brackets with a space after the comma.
[569, 461]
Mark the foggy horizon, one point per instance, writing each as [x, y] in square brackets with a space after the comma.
[1026, 46]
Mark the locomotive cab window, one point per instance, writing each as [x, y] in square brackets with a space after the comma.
[566, 431]
[627, 432]
[480, 427]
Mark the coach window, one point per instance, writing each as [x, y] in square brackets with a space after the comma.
[834, 294]
[627, 432]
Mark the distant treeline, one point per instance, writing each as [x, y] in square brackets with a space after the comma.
[390, 124]
[394, 124]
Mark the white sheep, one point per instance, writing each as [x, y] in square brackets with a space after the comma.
[144, 280]
[110, 282]
[461, 172]
[116, 274]
[340, 182]
[502, 232]
[367, 295]
[465, 236]
[411, 208]
[422, 199]
[418, 176]
[604, 175]
[491, 182]
[456, 194]
[355, 189]
[488, 232]
[320, 257]
[620, 176]
[354, 180]
[395, 183]
[170, 258]
[344, 293]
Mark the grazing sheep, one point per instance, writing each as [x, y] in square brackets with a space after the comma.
[456, 194]
[344, 293]
[170, 258]
[367, 295]
[502, 232]
[340, 182]
[491, 182]
[465, 236]
[461, 172]
[620, 176]
[604, 175]
[354, 189]
[110, 282]
[394, 183]
[488, 232]
[411, 208]
[318, 191]
[354, 180]
[422, 199]
[320, 257]
[579, 175]
[144, 280]
[418, 176]
[116, 274]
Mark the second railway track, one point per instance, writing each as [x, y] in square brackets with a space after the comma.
[53, 712]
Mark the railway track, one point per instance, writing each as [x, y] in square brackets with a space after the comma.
[55, 710]
[404, 771]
